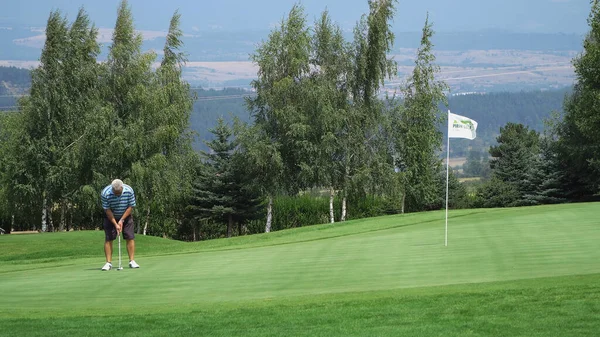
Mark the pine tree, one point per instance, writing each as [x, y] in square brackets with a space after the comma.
[223, 191]
[514, 158]
[545, 176]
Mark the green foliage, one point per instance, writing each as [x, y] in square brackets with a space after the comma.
[497, 193]
[578, 140]
[308, 209]
[44, 151]
[365, 148]
[299, 211]
[316, 104]
[513, 160]
[458, 196]
[417, 140]
[223, 190]
[476, 165]
[86, 123]
[494, 110]
[283, 62]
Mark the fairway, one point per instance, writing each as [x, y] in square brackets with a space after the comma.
[523, 271]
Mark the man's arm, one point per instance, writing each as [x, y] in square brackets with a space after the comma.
[126, 214]
[111, 218]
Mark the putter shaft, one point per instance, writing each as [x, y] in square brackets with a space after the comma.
[120, 268]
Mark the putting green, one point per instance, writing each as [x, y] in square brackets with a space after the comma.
[58, 277]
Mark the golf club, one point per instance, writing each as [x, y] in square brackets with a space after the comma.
[120, 267]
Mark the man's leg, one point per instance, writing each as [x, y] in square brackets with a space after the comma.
[129, 236]
[131, 249]
[108, 248]
[110, 234]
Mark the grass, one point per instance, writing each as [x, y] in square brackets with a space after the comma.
[519, 272]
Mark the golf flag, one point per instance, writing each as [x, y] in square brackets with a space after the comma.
[458, 127]
[461, 127]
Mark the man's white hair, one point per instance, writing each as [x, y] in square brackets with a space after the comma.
[117, 185]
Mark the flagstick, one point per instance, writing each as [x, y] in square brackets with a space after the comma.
[447, 177]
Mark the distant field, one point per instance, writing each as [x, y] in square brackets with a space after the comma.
[458, 161]
[506, 272]
[480, 69]
[462, 180]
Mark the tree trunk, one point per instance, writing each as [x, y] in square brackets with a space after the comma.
[63, 216]
[239, 228]
[50, 220]
[70, 223]
[44, 214]
[344, 209]
[269, 215]
[403, 199]
[138, 228]
[147, 221]
[229, 225]
[331, 196]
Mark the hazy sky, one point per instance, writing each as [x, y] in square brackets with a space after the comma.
[545, 16]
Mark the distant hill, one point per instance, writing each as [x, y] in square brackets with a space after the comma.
[14, 80]
[13, 83]
[24, 44]
[212, 105]
[494, 110]
[491, 111]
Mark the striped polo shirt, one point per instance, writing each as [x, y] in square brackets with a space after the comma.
[118, 204]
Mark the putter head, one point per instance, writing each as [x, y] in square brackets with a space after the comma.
[120, 268]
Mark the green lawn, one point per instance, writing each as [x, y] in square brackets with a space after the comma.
[510, 272]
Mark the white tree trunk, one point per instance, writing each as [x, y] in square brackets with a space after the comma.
[63, 217]
[44, 215]
[70, 223]
[344, 209]
[331, 196]
[147, 221]
[50, 221]
[269, 215]
[403, 199]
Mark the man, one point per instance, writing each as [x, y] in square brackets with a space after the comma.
[118, 200]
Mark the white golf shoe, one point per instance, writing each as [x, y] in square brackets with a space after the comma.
[132, 264]
[107, 266]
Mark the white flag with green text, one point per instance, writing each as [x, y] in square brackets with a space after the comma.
[461, 127]
[458, 127]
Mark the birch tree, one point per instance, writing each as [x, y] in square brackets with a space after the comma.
[418, 137]
[82, 100]
[327, 106]
[283, 61]
[163, 170]
[364, 155]
[39, 143]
